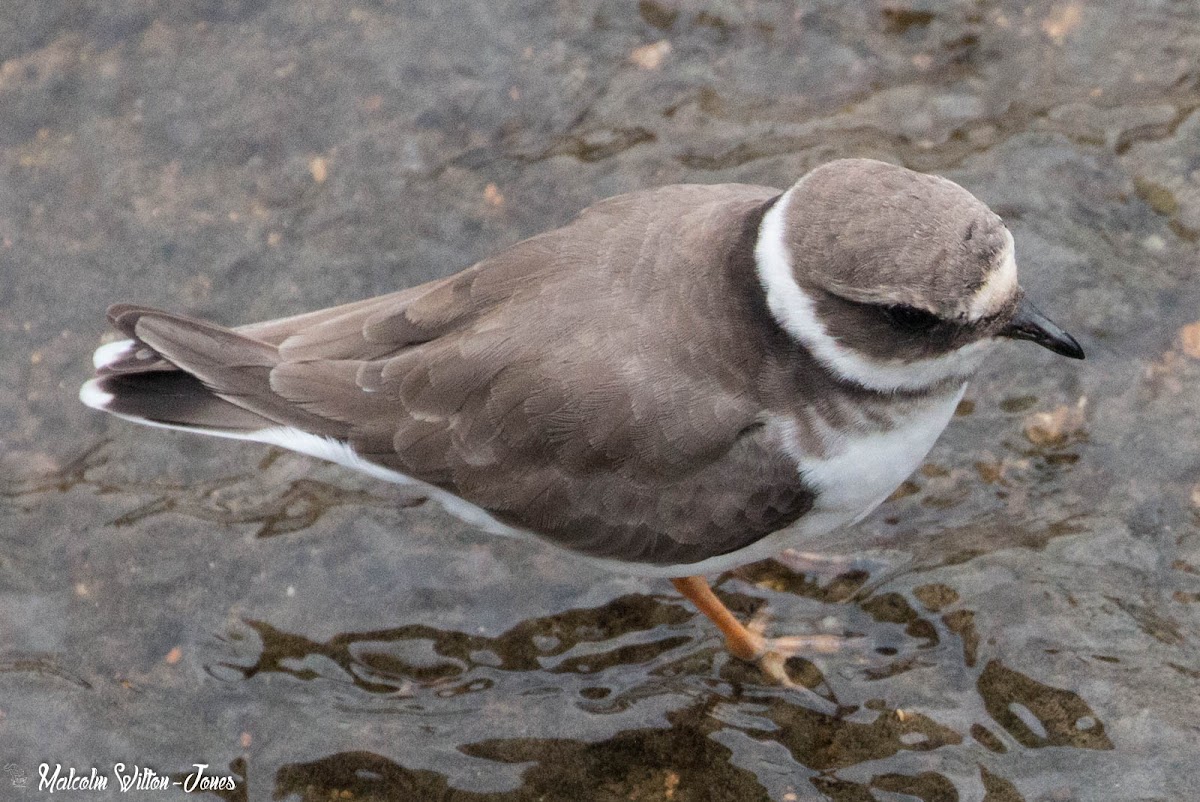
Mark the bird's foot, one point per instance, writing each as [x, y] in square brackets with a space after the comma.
[772, 654]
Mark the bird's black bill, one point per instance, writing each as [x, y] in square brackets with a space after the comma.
[1030, 324]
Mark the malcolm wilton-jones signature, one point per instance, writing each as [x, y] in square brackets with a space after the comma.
[129, 778]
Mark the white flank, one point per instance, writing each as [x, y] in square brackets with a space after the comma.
[795, 310]
[1000, 285]
[91, 395]
[342, 453]
[109, 353]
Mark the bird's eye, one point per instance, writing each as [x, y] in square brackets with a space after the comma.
[910, 318]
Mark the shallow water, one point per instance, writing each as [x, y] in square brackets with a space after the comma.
[1024, 612]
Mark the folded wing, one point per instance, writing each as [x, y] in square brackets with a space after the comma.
[574, 386]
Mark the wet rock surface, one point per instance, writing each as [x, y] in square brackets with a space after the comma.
[1026, 609]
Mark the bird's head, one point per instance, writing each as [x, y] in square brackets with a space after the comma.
[894, 279]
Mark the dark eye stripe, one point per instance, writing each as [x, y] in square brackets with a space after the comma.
[910, 318]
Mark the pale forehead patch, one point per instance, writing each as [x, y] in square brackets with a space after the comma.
[999, 287]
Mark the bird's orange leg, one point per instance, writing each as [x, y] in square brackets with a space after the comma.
[741, 642]
[748, 642]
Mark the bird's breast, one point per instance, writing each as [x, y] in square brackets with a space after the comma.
[854, 465]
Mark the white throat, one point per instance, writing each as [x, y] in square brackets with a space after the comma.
[795, 310]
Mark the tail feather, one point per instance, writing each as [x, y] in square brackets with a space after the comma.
[171, 398]
[185, 373]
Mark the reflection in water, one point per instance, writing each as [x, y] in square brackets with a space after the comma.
[678, 762]
[362, 776]
[391, 660]
[1037, 715]
[928, 786]
[829, 742]
[683, 758]
[998, 789]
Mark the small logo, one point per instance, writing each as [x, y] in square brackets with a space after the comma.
[17, 776]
